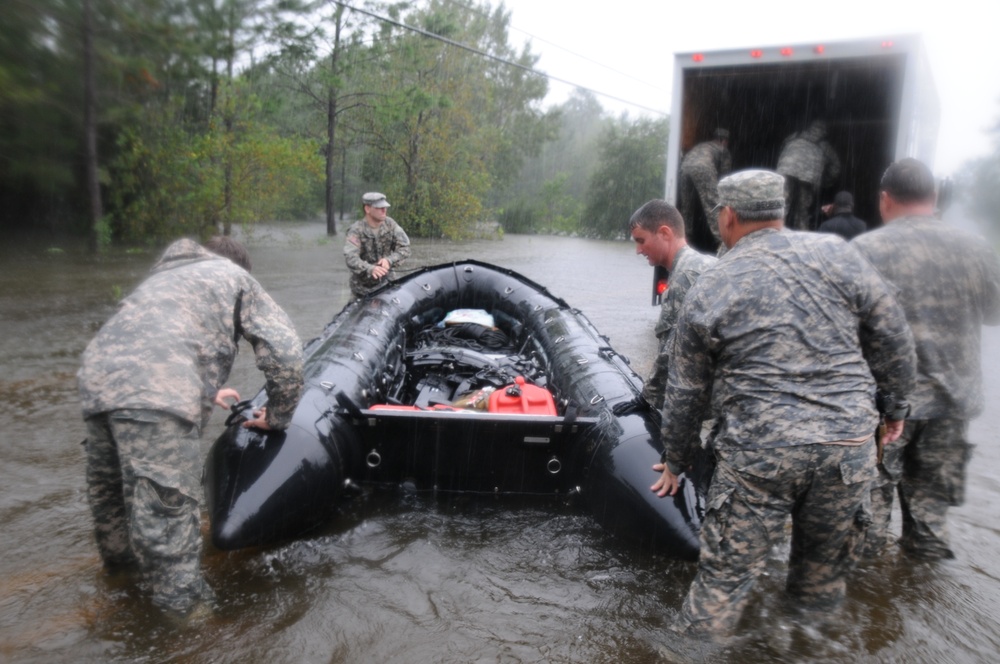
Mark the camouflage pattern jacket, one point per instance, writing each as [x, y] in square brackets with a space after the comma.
[708, 157]
[172, 343]
[364, 247]
[808, 157]
[688, 266]
[949, 286]
[784, 336]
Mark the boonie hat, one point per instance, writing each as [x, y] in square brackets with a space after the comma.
[375, 199]
[754, 191]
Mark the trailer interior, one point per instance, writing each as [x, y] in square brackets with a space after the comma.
[763, 104]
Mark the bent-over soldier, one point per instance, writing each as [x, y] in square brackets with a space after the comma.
[699, 175]
[148, 381]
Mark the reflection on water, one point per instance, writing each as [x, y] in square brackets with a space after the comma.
[399, 579]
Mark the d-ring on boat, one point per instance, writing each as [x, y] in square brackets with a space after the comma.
[459, 378]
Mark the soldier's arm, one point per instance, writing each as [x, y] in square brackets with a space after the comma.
[352, 254]
[401, 247]
[652, 391]
[686, 398]
[278, 353]
[886, 339]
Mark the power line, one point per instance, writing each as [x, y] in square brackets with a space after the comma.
[566, 50]
[490, 56]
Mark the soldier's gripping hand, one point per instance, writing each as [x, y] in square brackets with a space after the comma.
[668, 483]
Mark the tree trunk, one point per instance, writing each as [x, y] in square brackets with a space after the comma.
[93, 183]
[228, 111]
[331, 127]
[331, 132]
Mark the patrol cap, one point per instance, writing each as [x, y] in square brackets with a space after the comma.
[722, 134]
[375, 199]
[754, 194]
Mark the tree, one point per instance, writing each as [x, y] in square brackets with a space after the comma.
[92, 164]
[40, 113]
[449, 124]
[632, 170]
[321, 64]
[173, 181]
[550, 190]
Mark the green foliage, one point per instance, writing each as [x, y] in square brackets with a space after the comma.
[40, 122]
[103, 232]
[211, 114]
[632, 170]
[451, 124]
[555, 180]
[173, 181]
[521, 216]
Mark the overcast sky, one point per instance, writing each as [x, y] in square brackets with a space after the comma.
[625, 48]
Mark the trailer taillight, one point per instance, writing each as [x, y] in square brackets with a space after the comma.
[697, 57]
[786, 51]
[818, 50]
[888, 43]
[756, 53]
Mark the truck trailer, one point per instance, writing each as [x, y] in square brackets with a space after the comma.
[876, 96]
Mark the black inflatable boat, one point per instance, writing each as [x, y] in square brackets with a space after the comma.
[458, 378]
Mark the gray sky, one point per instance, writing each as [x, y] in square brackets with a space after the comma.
[625, 48]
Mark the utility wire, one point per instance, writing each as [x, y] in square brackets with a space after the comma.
[566, 50]
[490, 56]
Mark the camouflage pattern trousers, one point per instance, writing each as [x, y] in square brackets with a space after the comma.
[822, 487]
[143, 479]
[799, 199]
[697, 198]
[926, 467]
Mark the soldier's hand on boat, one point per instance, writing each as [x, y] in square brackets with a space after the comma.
[259, 420]
[226, 397]
[668, 483]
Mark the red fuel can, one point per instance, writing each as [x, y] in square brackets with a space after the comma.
[522, 398]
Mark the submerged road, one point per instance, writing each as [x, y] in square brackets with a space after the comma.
[418, 580]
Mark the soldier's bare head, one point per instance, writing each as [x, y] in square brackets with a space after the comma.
[227, 247]
[656, 213]
[909, 181]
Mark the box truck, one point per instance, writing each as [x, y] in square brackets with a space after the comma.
[876, 95]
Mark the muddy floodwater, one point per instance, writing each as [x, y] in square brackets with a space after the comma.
[397, 579]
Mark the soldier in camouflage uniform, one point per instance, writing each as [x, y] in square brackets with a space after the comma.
[376, 245]
[658, 231]
[148, 381]
[700, 171]
[948, 284]
[780, 341]
[809, 164]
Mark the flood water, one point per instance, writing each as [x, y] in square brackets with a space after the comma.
[417, 580]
